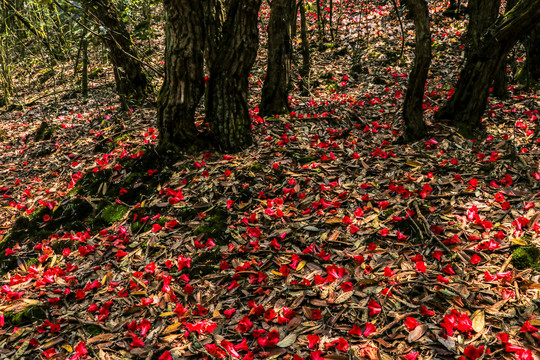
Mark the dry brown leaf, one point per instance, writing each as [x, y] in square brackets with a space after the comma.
[417, 333]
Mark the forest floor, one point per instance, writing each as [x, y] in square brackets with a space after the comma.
[326, 240]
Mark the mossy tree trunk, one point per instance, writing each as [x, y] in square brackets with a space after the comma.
[227, 112]
[183, 86]
[131, 82]
[412, 110]
[275, 91]
[468, 103]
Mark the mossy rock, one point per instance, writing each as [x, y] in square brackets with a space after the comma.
[255, 167]
[206, 262]
[302, 160]
[93, 330]
[327, 75]
[438, 46]
[24, 227]
[41, 130]
[77, 209]
[32, 261]
[359, 69]
[45, 75]
[29, 314]
[526, 257]
[185, 213]
[113, 213]
[138, 227]
[215, 226]
[341, 52]
[94, 74]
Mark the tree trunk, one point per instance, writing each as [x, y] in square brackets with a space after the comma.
[500, 82]
[482, 14]
[320, 20]
[214, 17]
[84, 71]
[306, 58]
[532, 64]
[468, 103]
[184, 76]
[227, 112]
[412, 109]
[131, 82]
[275, 91]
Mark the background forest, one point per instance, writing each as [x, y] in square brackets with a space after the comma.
[269, 179]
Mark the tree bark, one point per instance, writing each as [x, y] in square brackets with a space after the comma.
[532, 64]
[131, 82]
[468, 103]
[482, 14]
[412, 109]
[306, 57]
[320, 20]
[275, 91]
[227, 112]
[534, 54]
[214, 17]
[500, 82]
[184, 75]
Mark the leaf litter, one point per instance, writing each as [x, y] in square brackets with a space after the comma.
[326, 240]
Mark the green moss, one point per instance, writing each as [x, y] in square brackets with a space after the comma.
[438, 46]
[133, 177]
[113, 213]
[90, 183]
[302, 160]
[32, 261]
[28, 315]
[205, 263]
[526, 257]
[214, 226]
[93, 330]
[327, 75]
[358, 69]
[45, 75]
[95, 73]
[185, 213]
[341, 51]
[77, 209]
[256, 167]
[137, 227]
[40, 132]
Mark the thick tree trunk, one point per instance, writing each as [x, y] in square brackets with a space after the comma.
[532, 64]
[131, 82]
[184, 77]
[482, 14]
[227, 112]
[500, 82]
[500, 85]
[467, 105]
[412, 110]
[275, 91]
[214, 17]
